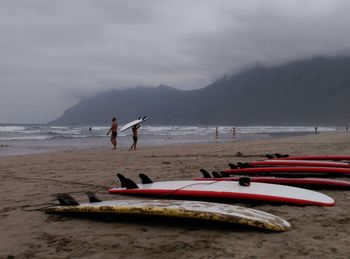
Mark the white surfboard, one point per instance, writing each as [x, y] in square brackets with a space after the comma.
[180, 209]
[262, 192]
[132, 123]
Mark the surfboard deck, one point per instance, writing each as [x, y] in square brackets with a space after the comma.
[207, 211]
[231, 190]
[285, 162]
[299, 182]
[291, 171]
[132, 123]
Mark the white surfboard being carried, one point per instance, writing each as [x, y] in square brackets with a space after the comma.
[133, 123]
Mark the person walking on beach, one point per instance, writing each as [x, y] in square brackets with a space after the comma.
[134, 136]
[113, 130]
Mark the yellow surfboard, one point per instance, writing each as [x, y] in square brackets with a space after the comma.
[179, 209]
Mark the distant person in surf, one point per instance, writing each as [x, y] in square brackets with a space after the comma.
[135, 136]
[113, 130]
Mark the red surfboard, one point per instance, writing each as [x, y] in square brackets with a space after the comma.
[299, 182]
[280, 162]
[291, 171]
[331, 158]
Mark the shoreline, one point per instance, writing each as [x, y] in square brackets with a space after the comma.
[27, 147]
[317, 232]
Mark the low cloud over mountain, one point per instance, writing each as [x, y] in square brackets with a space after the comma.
[307, 92]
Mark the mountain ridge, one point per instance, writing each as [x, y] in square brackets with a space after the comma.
[313, 91]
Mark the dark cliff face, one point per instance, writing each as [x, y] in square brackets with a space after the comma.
[309, 92]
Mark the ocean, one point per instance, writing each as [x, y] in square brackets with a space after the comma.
[27, 139]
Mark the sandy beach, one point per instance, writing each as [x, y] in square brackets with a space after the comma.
[317, 232]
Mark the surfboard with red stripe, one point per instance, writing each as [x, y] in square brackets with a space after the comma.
[330, 158]
[291, 171]
[230, 190]
[299, 182]
[284, 162]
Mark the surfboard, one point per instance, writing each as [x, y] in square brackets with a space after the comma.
[331, 158]
[292, 171]
[284, 162]
[132, 123]
[299, 182]
[230, 190]
[207, 211]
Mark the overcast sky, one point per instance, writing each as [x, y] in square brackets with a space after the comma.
[55, 52]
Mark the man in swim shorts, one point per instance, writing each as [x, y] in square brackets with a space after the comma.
[113, 130]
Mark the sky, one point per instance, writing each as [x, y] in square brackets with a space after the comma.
[54, 53]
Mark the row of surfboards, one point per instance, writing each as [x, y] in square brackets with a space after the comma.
[274, 181]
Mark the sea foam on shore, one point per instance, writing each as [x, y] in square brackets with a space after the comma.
[26, 139]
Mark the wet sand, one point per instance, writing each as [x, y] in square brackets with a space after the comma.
[317, 232]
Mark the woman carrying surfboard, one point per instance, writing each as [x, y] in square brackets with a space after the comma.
[134, 136]
[134, 125]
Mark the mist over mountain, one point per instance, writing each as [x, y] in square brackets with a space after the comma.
[311, 92]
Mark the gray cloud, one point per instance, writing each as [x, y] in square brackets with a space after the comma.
[55, 52]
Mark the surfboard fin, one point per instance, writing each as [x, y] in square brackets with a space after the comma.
[244, 181]
[216, 175]
[145, 179]
[247, 165]
[120, 176]
[269, 156]
[224, 174]
[232, 166]
[66, 200]
[278, 155]
[92, 197]
[205, 173]
[126, 182]
[244, 165]
[241, 165]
